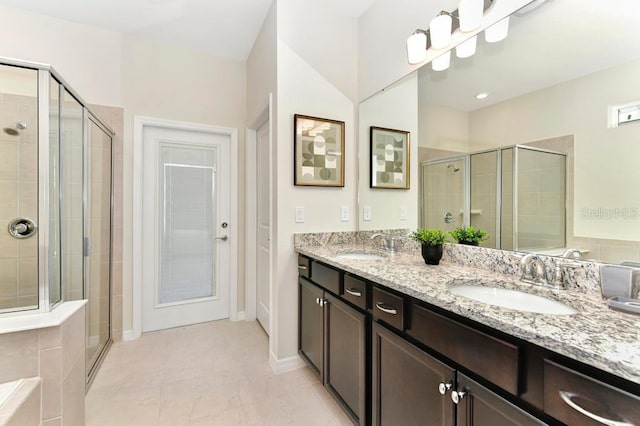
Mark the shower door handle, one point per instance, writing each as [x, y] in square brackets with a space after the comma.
[223, 238]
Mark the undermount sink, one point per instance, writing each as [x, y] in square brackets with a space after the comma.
[513, 299]
[355, 255]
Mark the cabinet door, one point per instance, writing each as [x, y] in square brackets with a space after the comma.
[479, 406]
[311, 326]
[345, 374]
[406, 384]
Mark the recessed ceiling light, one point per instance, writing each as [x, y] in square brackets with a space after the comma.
[482, 95]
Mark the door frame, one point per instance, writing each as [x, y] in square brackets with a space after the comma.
[140, 123]
[265, 116]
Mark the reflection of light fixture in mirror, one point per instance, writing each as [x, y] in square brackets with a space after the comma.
[467, 48]
[442, 62]
[482, 95]
[417, 47]
[440, 30]
[497, 32]
[470, 14]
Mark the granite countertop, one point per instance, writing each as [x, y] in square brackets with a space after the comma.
[596, 335]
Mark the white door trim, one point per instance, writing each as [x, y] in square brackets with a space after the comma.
[140, 122]
[251, 212]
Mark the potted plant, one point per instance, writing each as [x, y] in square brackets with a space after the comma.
[469, 235]
[432, 241]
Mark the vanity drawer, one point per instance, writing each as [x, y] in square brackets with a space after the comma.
[326, 277]
[355, 291]
[576, 399]
[388, 307]
[496, 360]
[304, 266]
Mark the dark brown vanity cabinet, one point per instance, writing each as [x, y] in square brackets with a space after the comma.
[407, 383]
[477, 405]
[333, 341]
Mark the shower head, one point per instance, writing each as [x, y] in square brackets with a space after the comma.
[455, 169]
[15, 131]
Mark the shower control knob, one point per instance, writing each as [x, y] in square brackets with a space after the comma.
[22, 228]
[448, 217]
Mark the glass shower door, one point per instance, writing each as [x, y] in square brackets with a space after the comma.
[444, 195]
[97, 242]
[18, 189]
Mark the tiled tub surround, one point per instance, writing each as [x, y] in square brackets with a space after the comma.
[21, 406]
[50, 346]
[596, 335]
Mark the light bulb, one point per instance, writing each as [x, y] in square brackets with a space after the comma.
[467, 48]
[440, 30]
[442, 62]
[417, 48]
[497, 32]
[470, 13]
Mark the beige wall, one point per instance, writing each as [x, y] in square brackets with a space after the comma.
[171, 82]
[395, 108]
[302, 89]
[88, 58]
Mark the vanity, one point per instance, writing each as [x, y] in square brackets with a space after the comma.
[395, 346]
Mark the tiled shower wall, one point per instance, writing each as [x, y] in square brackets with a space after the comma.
[18, 198]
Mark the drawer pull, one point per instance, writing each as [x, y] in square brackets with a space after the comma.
[384, 308]
[353, 292]
[302, 267]
[566, 397]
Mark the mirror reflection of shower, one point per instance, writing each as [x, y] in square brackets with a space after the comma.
[444, 193]
[453, 167]
[15, 129]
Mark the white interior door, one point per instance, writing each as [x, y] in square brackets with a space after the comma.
[263, 263]
[185, 207]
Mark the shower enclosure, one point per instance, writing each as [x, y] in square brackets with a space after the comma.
[517, 194]
[55, 201]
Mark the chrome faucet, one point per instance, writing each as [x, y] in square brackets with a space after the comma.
[388, 242]
[533, 270]
[572, 253]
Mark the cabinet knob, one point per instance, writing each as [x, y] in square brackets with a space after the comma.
[456, 396]
[321, 302]
[444, 387]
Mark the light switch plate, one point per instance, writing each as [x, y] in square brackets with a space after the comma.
[344, 214]
[299, 214]
[366, 213]
[403, 212]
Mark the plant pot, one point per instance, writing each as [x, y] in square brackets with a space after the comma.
[469, 243]
[432, 254]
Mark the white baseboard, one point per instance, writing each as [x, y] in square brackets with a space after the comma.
[286, 364]
[129, 335]
[240, 316]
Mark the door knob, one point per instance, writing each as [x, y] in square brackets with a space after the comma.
[456, 396]
[223, 238]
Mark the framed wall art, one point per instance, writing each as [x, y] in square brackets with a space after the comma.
[318, 151]
[389, 158]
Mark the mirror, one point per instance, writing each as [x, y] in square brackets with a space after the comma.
[541, 162]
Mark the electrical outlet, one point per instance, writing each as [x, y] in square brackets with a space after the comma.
[299, 214]
[403, 212]
[344, 214]
[366, 213]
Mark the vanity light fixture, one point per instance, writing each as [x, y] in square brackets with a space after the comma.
[440, 30]
[467, 48]
[468, 17]
[482, 95]
[470, 13]
[417, 47]
[442, 62]
[497, 32]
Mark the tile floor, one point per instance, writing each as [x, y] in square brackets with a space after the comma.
[208, 374]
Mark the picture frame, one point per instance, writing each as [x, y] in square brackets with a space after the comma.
[318, 151]
[390, 158]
